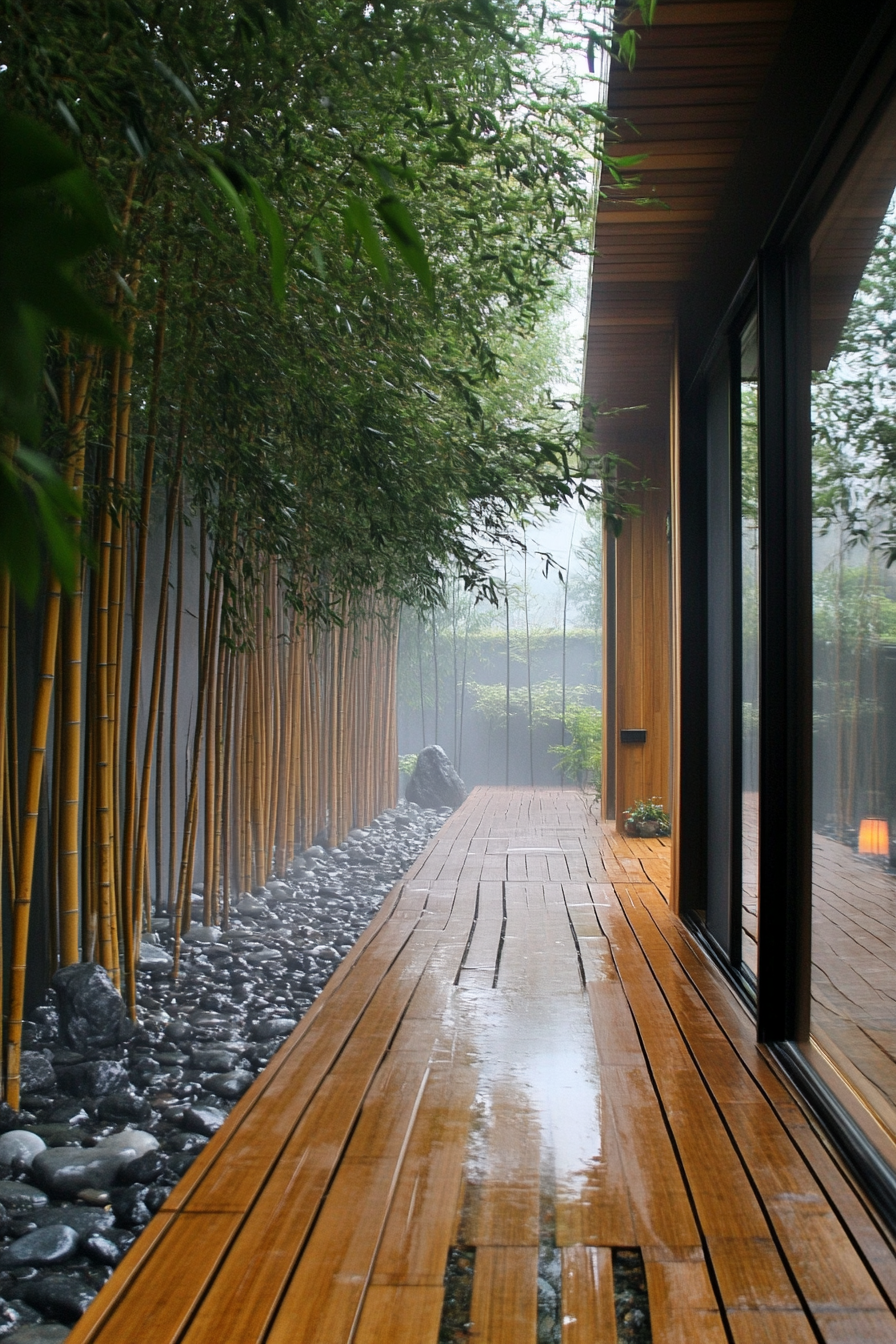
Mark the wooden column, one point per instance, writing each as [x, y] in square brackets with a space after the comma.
[643, 624]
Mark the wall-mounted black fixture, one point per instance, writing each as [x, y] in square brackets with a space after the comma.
[632, 737]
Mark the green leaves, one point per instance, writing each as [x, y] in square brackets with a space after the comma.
[39, 245]
[406, 239]
[36, 512]
[401, 231]
[359, 225]
[233, 181]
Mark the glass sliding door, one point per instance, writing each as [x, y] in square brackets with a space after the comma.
[853, 392]
[748, 523]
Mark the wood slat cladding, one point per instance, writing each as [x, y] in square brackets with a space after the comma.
[685, 107]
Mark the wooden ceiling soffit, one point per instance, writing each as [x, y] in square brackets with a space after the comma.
[685, 107]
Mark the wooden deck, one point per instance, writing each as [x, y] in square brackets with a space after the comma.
[854, 974]
[525, 1057]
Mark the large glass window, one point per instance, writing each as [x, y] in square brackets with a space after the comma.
[853, 357]
[749, 639]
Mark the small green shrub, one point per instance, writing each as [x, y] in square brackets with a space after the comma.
[580, 758]
[406, 764]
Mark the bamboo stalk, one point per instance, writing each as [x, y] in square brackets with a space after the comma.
[4, 689]
[225, 809]
[70, 763]
[211, 783]
[28, 839]
[175, 687]
[188, 847]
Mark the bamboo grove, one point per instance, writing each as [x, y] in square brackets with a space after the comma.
[329, 227]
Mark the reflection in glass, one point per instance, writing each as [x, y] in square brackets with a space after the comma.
[749, 671]
[853, 348]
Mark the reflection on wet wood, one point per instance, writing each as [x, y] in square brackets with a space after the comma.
[526, 1050]
[589, 1308]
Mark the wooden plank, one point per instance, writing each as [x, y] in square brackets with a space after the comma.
[262, 1257]
[505, 1295]
[161, 1296]
[422, 1222]
[683, 1308]
[587, 1300]
[503, 1200]
[661, 1209]
[325, 1294]
[400, 1314]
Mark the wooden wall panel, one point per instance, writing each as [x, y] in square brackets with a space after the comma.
[643, 623]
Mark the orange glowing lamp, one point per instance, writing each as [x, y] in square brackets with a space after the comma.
[874, 836]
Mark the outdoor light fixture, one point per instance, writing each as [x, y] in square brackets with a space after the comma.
[874, 836]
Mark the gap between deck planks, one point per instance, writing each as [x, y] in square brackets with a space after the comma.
[525, 1051]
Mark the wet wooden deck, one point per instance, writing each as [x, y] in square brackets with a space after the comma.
[525, 1056]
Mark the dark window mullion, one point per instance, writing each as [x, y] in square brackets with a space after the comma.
[785, 677]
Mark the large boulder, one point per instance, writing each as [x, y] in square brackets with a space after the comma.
[435, 782]
[91, 1012]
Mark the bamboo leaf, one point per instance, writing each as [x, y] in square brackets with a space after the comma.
[273, 229]
[233, 199]
[59, 541]
[358, 223]
[406, 238]
[176, 83]
[19, 550]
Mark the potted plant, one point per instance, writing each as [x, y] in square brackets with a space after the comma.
[647, 818]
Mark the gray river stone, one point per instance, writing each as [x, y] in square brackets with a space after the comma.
[230, 1086]
[37, 1073]
[200, 1120]
[265, 955]
[135, 1141]
[47, 1246]
[144, 1170]
[129, 1206]
[251, 907]
[50, 1332]
[62, 1296]
[18, 1197]
[178, 1030]
[154, 959]
[124, 1105]
[202, 933]
[96, 1078]
[92, 1014]
[212, 1059]
[63, 1172]
[109, 1247]
[85, 1221]
[273, 1027]
[20, 1145]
